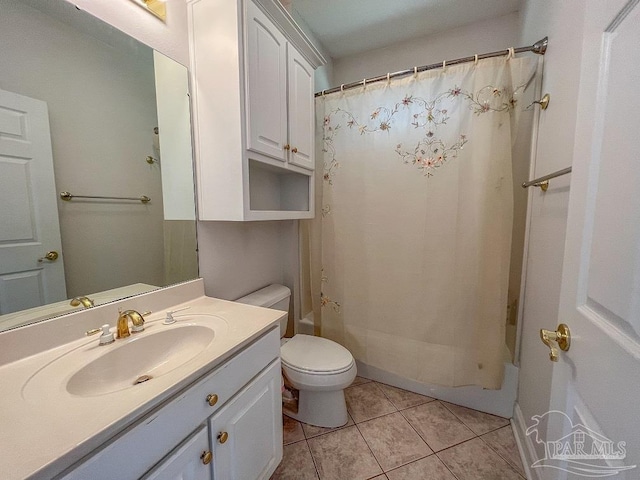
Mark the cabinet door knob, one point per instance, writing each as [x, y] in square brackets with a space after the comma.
[206, 457]
[212, 399]
[294, 150]
[287, 147]
[223, 437]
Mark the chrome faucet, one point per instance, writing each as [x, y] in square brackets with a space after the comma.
[123, 323]
[85, 301]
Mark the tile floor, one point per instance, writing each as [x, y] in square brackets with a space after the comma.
[393, 434]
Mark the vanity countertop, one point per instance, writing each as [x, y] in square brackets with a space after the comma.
[42, 433]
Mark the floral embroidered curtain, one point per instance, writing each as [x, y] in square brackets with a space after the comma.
[408, 257]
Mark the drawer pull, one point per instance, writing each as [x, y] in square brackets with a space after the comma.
[287, 147]
[206, 457]
[294, 150]
[223, 437]
[212, 399]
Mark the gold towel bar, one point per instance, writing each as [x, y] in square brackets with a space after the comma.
[543, 182]
[68, 196]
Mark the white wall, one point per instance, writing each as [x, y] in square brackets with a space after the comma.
[169, 38]
[562, 22]
[102, 113]
[479, 37]
[237, 258]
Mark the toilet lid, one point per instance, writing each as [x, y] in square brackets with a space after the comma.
[306, 353]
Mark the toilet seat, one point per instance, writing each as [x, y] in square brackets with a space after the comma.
[315, 356]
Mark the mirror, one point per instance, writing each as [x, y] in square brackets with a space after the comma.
[86, 109]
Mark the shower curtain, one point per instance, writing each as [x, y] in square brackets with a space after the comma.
[407, 259]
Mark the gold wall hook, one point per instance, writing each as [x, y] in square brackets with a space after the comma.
[544, 186]
[543, 102]
[560, 337]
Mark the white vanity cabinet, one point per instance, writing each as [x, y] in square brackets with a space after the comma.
[187, 461]
[246, 436]
[253, 106]
[183, 438]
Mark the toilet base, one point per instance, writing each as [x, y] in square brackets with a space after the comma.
[322, 409]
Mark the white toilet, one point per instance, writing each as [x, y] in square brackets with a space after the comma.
[318, 368]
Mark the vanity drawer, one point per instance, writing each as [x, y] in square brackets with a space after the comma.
[137, 449]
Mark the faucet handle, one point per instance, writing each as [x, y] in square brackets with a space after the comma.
[168, 320]
[106, 338]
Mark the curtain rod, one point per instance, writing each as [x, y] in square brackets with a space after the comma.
[540, 47]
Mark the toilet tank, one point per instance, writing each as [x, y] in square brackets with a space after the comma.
[274, 296]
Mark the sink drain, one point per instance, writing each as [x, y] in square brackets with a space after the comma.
[142, 379]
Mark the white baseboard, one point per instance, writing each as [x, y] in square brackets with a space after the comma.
[497, 402]
[527, 450]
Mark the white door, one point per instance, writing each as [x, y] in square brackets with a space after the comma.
[596, 384]
[246, 435]
[301, 110]
[29, 226]
[266, 97]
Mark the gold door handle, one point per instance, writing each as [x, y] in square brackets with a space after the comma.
[287, 147]
[294, 150]
[561, 337]
[206, 457]
[52, 256]
[223, 437]
[212, 399]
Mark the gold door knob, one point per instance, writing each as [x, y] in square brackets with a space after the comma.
[287, 147]
[223, 437]
[212, 399]
[52, 256]
[561, 337]
[294, 150]
[206, 457]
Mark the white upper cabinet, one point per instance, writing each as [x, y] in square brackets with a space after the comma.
[253, 105]
[301, 112]
[266, 67]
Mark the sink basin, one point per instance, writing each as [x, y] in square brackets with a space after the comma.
[140, 360]
[90, 370]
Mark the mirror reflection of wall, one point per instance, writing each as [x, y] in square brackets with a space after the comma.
[100, 86]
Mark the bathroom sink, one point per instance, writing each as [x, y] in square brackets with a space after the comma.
[140, 360]
[91, 370]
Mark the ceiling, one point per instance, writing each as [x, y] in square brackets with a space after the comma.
[347, 27]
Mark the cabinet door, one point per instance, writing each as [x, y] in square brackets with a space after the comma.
[246, 435]
[266, 77]
[186, 462]
[301, 110]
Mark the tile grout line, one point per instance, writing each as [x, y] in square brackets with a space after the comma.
[315, 465]
[369, 447]
[444, 404]
[499, 454]
[360, 432]
[411, 426]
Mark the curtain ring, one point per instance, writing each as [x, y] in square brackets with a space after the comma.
[323, 92]
[415, 72]
[342, 87]
[388, 78]
[511, 53]
[364, 83]
[475, 61]
[444, 65]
